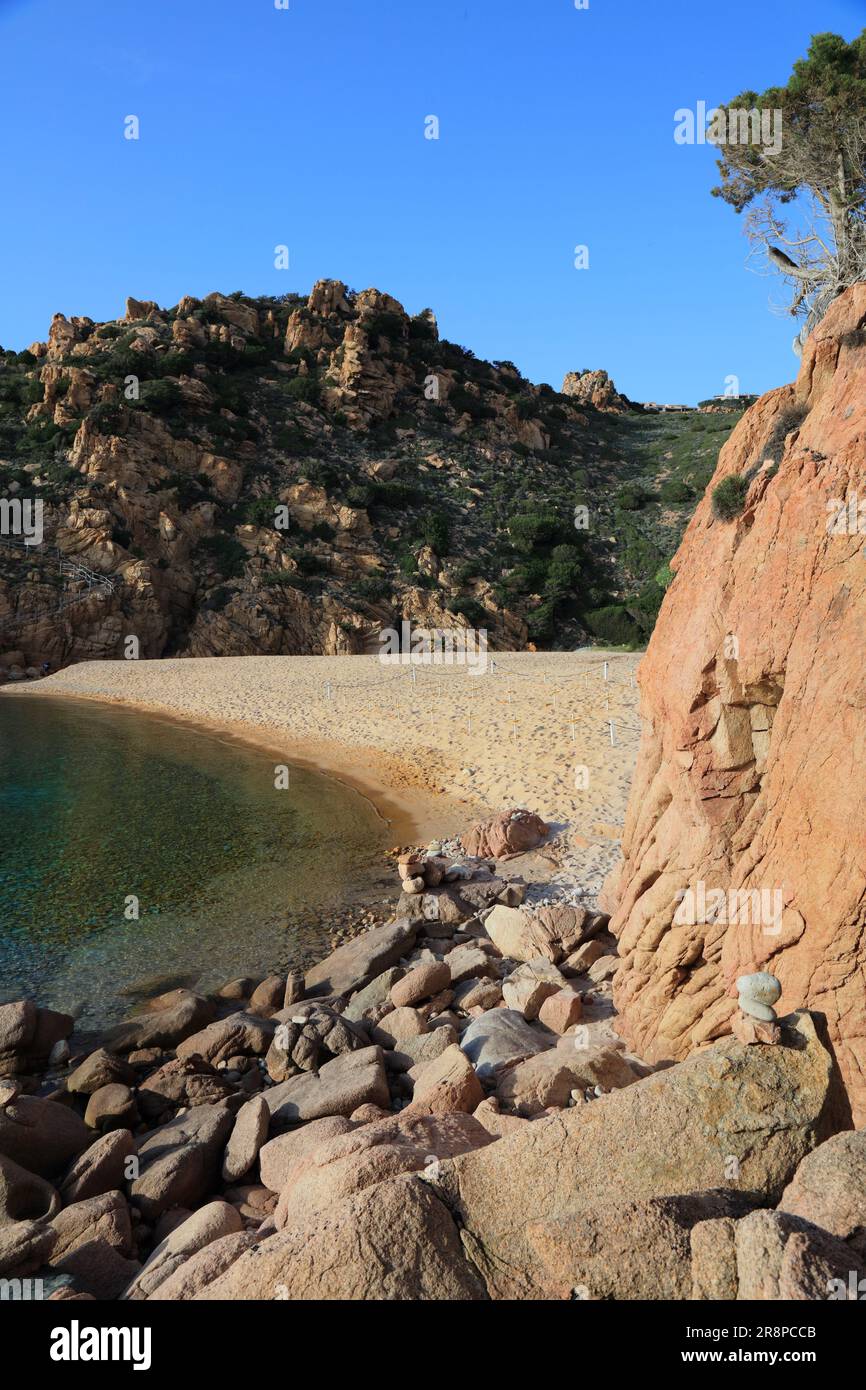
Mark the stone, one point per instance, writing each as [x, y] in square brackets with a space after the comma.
[100, 1068]
[757, 994]
[187, 1081]
[526, 989]
[397, 1026]
[354, 965]
[595, 388]
[277, 1155]
[749, 1030]
[616, 1251]
[393, 1241]
[478, 994]
[375, 998]
[98, 1218]
[179, 1014]
[497, 1039]
[561, 1011]
[780, 1257]
[111, 1107]
[423, 1048]
[446, 1084]
[237, 990]
[307, 1036]
[467, 962]
[23, 1195]
[603, 969]
[101, 1168]
[730, 774]
[268, 997]
[404, 1143]
[24, 1247]
[42, 1135]
[356, 1078]
[202, 1267]
[210, 1223]
[580, 960]
[369, 1114]
[97, 1269]
[673, 1133]
[510, 929]
[559, 930]
[240, 1034]
[494, 1120]
[179, 1163]
[548, 1079]
[510, 832]
[249, 1133]
[829, 1188]
[28, 1035]
[295, 987]
[421, 983]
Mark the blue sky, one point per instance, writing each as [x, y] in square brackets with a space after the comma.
[305, 127]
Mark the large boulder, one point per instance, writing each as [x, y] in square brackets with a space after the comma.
[179, 1163]
[738, 851]
[773, 1256]
[404, 1143]
[101, 1168]
[393, 1241]
[731, 1116]
[210, 1223]
[27, 1035]
[509, 832]
[495, 1040]
[23, 1195]
[239, 1035]
[278, 1155]
[356, 1078]
[166, 1021]
[354, 965]
[42, 1135]
[829, 1188]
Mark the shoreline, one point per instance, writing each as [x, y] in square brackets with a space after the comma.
[429, 747]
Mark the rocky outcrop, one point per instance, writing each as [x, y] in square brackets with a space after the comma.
[743, 847]
[595, 389]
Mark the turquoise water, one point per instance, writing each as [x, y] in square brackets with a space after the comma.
[100, 806]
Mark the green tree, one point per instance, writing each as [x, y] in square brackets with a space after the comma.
[795, 156]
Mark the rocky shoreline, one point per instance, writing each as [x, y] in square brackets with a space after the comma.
[439, 1109]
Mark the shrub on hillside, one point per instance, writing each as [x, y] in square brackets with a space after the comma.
[729, 497]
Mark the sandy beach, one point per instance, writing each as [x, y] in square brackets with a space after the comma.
[431, 745]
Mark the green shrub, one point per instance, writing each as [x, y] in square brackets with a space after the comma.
[729, 497]
[631, 497]
[675, 491]
[226, 553]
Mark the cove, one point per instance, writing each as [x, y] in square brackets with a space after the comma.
[106, 813]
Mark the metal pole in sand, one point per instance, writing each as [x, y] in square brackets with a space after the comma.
[612, 735]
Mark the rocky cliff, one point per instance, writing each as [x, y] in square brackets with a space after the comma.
[744, 844]
[289, 475]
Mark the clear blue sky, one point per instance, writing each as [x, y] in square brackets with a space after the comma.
[306, 127]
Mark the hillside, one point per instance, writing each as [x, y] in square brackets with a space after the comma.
[291, 475]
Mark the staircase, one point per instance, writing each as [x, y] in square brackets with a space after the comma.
[72, 572]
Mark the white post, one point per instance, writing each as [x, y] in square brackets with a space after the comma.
[612, 737]
[605, 670]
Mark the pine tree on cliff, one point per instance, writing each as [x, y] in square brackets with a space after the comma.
[795, 156]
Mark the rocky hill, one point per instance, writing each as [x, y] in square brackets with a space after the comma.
[750, 776]
[289, 475]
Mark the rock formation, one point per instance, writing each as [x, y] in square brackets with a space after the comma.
[595, 389]
[744, 846]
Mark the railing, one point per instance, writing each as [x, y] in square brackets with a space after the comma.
[97, 585]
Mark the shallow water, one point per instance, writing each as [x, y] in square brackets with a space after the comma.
[101, 806]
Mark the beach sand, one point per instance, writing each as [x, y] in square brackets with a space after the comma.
[433, 750]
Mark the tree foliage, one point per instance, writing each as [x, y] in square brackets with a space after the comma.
[805, 190]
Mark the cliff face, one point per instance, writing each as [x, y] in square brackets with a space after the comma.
[751, 768]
